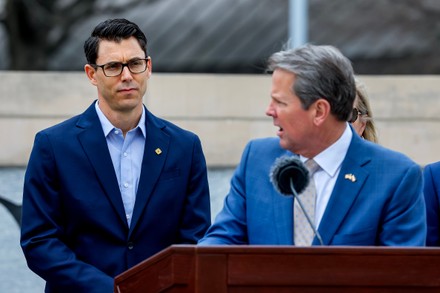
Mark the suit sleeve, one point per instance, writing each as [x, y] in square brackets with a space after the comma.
[230, 226]
[405, 219]
[432, 207]
[197, 211]
[42, 229]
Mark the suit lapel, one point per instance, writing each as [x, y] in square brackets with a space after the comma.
[350, 180]
[95, 146]
[282, 210]
[155, 153]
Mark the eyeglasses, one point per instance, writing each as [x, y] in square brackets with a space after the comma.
[355, 114]
[135, 66]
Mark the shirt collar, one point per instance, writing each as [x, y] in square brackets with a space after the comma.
[332, 157]
[107, 126]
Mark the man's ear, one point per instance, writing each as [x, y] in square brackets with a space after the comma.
[90, 72]
[149, 67]
[322, 111]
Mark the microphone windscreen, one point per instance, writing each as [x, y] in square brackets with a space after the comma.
[288, 168]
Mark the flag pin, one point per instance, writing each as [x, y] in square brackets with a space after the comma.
[350, 177]
[158, 151]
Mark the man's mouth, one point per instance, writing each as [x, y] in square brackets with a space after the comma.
[280, 131]
[280, 128]
[126, 89]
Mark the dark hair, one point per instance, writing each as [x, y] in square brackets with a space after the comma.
[321, 72]
[114, 30]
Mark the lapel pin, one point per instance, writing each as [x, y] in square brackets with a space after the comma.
[158, 151]
[350, 177]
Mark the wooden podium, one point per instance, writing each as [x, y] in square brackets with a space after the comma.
[211, 269]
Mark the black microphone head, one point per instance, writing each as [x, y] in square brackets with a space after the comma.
[288, 168]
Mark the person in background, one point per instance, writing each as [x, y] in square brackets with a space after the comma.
[362, 116]
[114, 185]
[431, 190]
[365, 194]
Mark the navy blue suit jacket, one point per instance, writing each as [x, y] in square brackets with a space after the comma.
[432, 192]
[383, 206]
[74, 231]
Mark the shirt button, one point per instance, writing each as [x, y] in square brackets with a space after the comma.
[116, 131]
[125, 154]
[126, 185]
[130, 245]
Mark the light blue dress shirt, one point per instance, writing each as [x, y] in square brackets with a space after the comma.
[126, 154]
[330, 160]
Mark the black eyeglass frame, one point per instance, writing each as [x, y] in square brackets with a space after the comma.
[355, 114]
[128, 64]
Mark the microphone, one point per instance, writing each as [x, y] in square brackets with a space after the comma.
[291, 177]
[287, 170]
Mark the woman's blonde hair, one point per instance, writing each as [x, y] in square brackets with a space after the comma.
[363, 106]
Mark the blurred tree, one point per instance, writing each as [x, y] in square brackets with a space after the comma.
[37, 28]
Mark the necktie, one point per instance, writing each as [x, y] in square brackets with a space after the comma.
[303, 232]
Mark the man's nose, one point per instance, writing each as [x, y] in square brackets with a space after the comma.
[126, 73]
[270, 110]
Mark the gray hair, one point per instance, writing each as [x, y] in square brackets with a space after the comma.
[321, 72]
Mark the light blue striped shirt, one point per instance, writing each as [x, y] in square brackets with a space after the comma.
[126, 154]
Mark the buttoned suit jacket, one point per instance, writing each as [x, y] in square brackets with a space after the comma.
[377, 200]
[431, 191]
[74, 231]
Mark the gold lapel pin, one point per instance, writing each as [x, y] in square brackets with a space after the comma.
[350, 177]
[158, 151]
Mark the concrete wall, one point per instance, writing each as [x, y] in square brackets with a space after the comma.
[224, 110]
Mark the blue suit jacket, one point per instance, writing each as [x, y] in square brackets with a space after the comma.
[384, 206]
[432, 192]
[74, 230]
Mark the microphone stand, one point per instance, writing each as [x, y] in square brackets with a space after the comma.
[295, 195]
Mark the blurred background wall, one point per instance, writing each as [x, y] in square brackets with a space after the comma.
[225, 110]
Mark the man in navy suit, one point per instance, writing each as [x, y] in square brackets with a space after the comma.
[108, 188]
[365, 194]
[431, 191]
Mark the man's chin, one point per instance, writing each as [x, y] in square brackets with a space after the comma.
[129, 105]
[284, 144]
[287, 146]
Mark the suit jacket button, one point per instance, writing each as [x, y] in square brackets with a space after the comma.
[130, 245]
